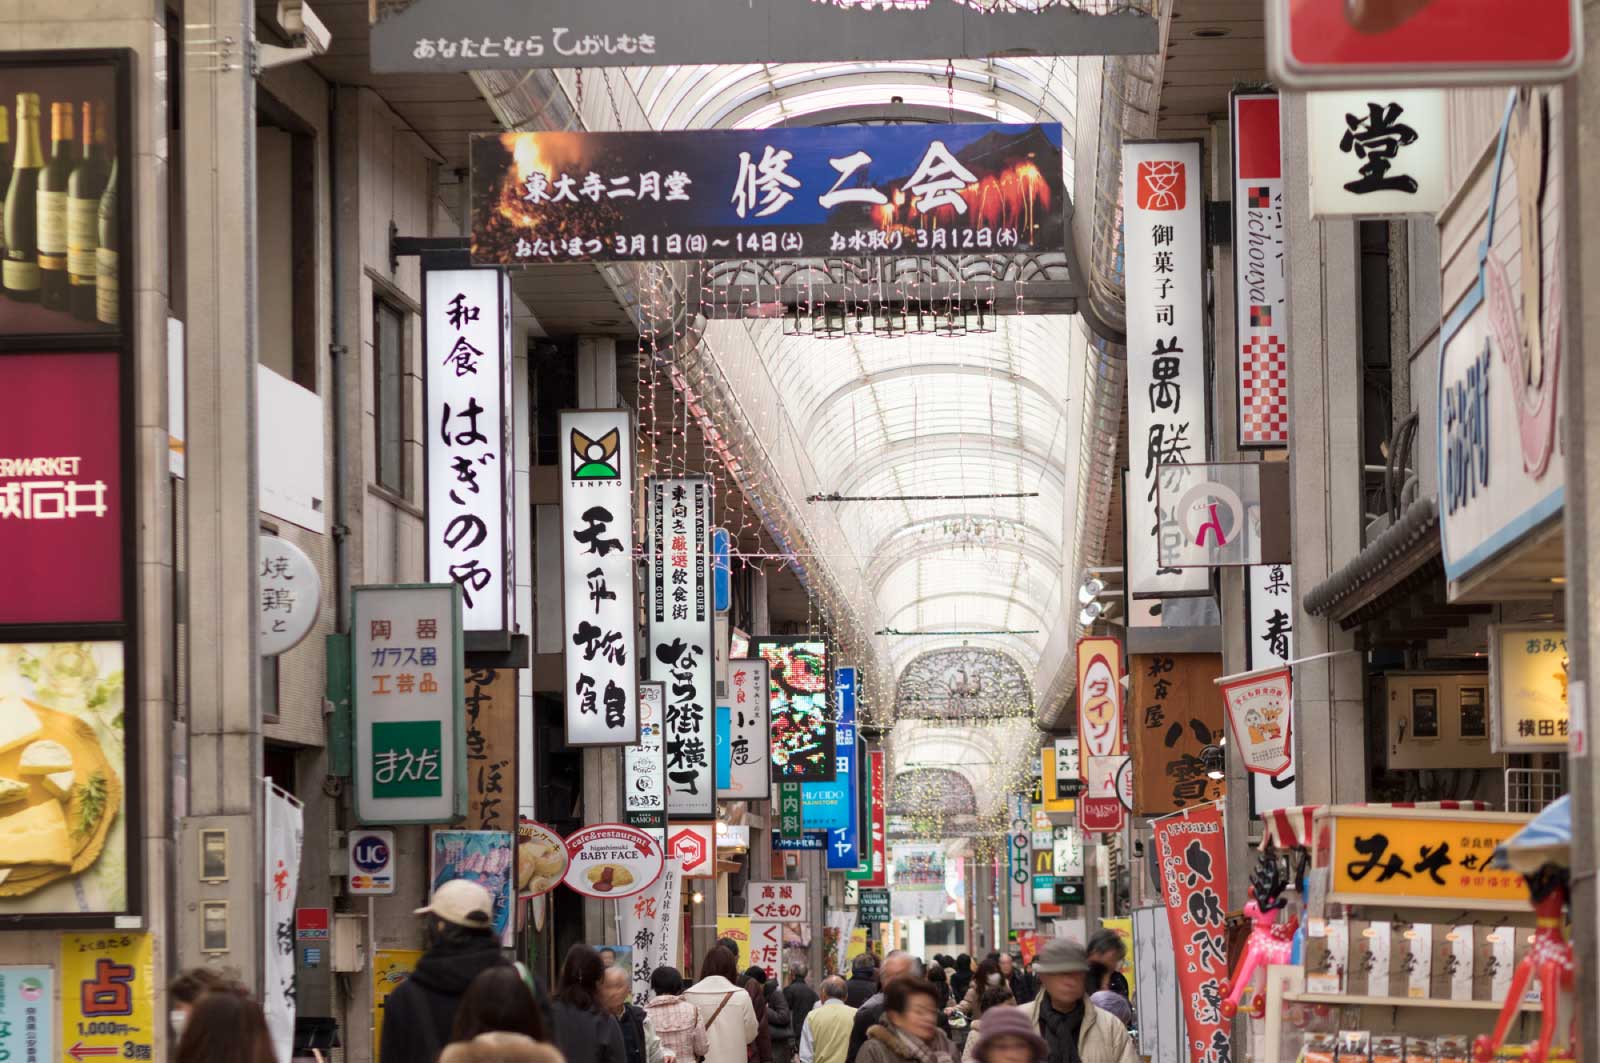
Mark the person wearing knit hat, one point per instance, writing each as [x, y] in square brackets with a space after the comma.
[1073, 1028]
[1008, 1037]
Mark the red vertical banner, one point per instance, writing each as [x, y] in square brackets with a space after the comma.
[1194, 887]
[880, 870]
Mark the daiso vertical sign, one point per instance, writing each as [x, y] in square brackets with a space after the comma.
[61, 500]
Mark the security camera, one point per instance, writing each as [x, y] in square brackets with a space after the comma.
[298, 21]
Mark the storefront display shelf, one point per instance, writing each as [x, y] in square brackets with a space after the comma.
[1343, 999]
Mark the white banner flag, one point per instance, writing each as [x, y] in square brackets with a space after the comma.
[648, 923]
[284, 835]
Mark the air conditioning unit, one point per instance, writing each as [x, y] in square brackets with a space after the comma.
[1438, 720]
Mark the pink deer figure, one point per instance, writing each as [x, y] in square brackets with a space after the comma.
[1271, 942]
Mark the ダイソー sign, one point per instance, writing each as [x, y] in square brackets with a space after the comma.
[1423, 42]
[1260, 274]
[467, 378]
[783, 192]
[611, 861]
[406, 686]
[602, 707]
[1099, 699]
[1163, 190]
[678, 608]
[1429, 858]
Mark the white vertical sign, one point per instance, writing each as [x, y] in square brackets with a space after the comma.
[467, 433]
[644, 799]
[1163, 195]
[766, 947]
[1260, 276]
[1272, 643]
[1377, 152]
[602, 706]
[749, 723]
[679, 610]
[649, 922]
[1019, 867]
[284, 835]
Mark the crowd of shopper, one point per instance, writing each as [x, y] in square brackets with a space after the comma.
[465, 1002]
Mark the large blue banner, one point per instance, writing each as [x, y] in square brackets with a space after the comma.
[843, 808]
[785, 192]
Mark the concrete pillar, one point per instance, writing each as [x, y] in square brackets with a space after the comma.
[225, 755]
[1581, 322]
[1324, 472]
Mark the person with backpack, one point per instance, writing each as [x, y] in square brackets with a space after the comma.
[420, 1014]
[725, 1007]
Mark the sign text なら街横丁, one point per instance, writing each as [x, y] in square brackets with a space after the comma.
[767, 193]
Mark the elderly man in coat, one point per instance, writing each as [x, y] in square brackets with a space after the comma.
[1074, 1030]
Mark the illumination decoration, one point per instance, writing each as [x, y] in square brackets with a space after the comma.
[965, 682]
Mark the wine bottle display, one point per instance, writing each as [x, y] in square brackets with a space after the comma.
[53, 208]
[106, 265]
[20, 272]
[5, 175]
[84, 189]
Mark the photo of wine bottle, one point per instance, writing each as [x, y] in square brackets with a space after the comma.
[106, 265]
[53, 208]
[84, 189]
[5, 177]
[19, 274]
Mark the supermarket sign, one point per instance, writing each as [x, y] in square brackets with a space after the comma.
[1366, 44]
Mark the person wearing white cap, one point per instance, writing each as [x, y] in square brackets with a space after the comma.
[419, 1015]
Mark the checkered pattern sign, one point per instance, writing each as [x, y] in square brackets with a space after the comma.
[1264, 388]
[1260, 285]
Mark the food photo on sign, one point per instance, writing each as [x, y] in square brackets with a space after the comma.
[610, 861]
[803, 732]
[62, 804]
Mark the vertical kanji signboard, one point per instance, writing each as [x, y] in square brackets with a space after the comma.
[467, 377]
[406, 683]
[601, 695]
[678, 608]
[1163, 195]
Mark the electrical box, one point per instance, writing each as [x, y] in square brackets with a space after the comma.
[1438, 720]
[349, 943]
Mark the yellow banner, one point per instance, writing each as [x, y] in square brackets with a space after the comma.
[858, 943]
[390, 967]
[1424, 858]
[737, 929]
[1124, 929]
[1052, 803]
[108, 993]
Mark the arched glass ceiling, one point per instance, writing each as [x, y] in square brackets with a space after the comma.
[958, 448]
[981, 420]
